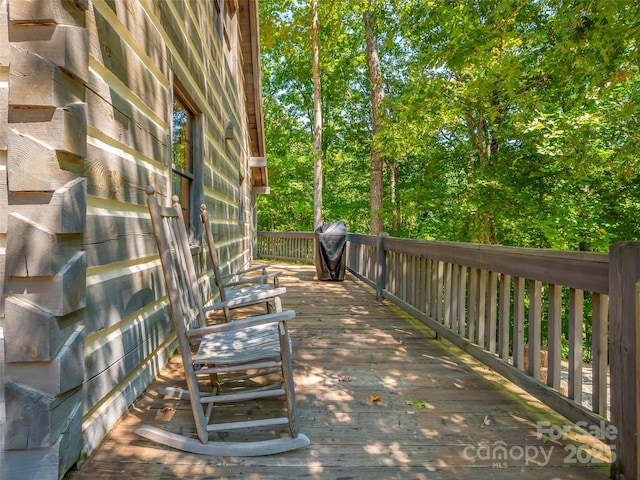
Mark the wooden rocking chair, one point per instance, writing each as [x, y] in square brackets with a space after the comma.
[252, 344]
[242, 285]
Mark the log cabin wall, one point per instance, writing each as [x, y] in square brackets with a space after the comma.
[4, 92]
[87, 91]
[44, 133]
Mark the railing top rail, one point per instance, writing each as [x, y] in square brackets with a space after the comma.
[286, 234]
[587, 271]
[398, 244]
[582, 270]
[369, 240]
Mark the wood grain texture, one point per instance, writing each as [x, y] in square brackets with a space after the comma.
[118, 175]
[63, 129]
[115, 116]
[40, 463]
[64, 46]
[34, 166]
[34, 419]
[46, 463]
[4, 105]
[5, 50]
[35, 82]
[117, 235]
[109, 361]
[61, 374]
[45, 12]
[62, 293]
[138, 30]
[625, 356]
[33, 334]
[127, 64]
[34, 250]
[116, 292]
[63, 212]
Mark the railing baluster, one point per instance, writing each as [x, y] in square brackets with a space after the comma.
[482, 306]
[381, 274]
[518, 322]
[428, 299]
[455, 286]
[624, 291]
[599, 338]
[440, 291]
[554, 337]
[472, 318]
[448, 295]
[462, 299]
[423, 292]
[492, 311]
[408, 274]
[535, 327]
[576, 309]
[505, 315]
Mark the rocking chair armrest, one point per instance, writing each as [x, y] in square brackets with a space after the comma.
[258, 279]
[248, 270]
[246, 300]
[276, 317]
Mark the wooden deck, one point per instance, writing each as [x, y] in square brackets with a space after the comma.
[440, 414]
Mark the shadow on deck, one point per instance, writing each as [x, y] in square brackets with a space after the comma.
[441, 414]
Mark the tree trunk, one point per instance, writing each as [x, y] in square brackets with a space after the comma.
[317, 120]
[377, 96]
[393, 182]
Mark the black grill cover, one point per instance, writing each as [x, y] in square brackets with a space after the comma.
[330, 243]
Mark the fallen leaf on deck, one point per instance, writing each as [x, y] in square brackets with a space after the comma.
[345, 378]
[485, 422]
[419, 404]
[375, 398]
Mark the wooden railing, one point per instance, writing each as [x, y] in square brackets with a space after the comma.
[297, 246]
[524, 313]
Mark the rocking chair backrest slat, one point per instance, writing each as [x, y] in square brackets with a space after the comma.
[217, 275]
[179, 273]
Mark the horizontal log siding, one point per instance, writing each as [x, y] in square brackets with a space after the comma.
[4, 201]
[134, 50]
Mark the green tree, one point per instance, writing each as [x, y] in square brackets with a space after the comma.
[511, 122]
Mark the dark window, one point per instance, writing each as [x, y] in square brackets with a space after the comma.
[182, 155]
[187, 159]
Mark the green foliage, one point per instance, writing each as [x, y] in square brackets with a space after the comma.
[510, 122]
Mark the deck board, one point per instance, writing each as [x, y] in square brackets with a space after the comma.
[347, 348]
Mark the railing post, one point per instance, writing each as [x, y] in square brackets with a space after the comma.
[381, 266]
[624, 275]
